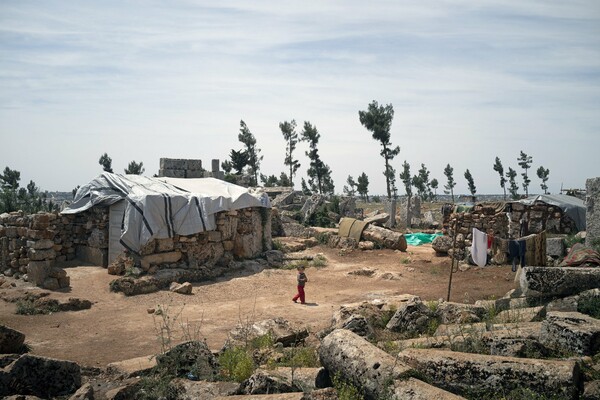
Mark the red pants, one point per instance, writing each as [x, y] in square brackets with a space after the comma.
[300, 294]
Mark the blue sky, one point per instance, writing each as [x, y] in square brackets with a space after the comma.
[142, 80]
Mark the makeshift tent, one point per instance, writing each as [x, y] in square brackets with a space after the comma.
[159, 208]
[572, 206]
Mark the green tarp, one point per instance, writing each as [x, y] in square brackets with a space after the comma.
[419, 238]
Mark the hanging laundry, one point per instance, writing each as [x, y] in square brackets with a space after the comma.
[516, 253]
[479, 247]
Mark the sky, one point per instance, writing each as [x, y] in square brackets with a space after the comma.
[469, 81]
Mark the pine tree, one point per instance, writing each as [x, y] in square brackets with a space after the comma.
[135, 168]
[106, 163]
[449, 172]
[363, 186]
[525, 163]
[288, 129]
[254, 157]
[378, 120]
[470, 183]
[500, 170]
[543, 174]
[513, 188]
[319, 173]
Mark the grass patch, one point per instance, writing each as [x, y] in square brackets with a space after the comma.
[346, 390]
[589, 305]
[298, 357]
[28, 307]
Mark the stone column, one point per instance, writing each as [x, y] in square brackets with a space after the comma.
[592, 215]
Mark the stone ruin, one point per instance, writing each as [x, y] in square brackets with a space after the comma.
[188, 168]
[34, 247]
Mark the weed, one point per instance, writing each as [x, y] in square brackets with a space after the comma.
[319, 261]
[156, 387]
[433, 305]
[432, 326]
[346, 390]
[277, 245]
[589, 305]
[299, 357]
[406, 260]
[322, 238]
[262, 342]
[236, 364]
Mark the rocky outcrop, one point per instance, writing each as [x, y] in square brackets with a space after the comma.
[485, 376]
[40, 376]
[285, 380]
[442, 244]
[571, 332]
[193, 358]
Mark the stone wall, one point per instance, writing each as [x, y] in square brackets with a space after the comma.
[188, 168]
[539, 217]
[32, 245]
[592, 215]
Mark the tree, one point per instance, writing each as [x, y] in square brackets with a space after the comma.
[269, 181]
[288, 129]
[239, 160]
[378, 120]
[434, 186]
[406, 179]
[284, 180]
[362, 186]
[350, 190]
[500, 170]
[422, 184]
[513, 188]
[525, 163]
[470, 183]
[227, 166]
[254, 159]
[305, 189]
[543, 174]
[12, 197]
[135, 168]
[106, 162]
[449, 172]
[10, 179]
[319, 173]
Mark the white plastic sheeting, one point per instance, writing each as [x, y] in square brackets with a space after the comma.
[159, 208]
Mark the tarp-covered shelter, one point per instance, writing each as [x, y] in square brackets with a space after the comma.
[572, 206]
[159, 208]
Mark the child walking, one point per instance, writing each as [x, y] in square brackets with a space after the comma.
[302, 279]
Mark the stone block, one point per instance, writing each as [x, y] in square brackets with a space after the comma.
[181, 288]
[555, 247]
[411, 317]
[40, 244]
[214, 236]
[458, 313]
[487, 376]
[572, 332]
[592, 215]
[40, 221]
[561, 282]
[526, 314]
[195, 173]
[38, 271]
[160, 258]
[172, 173]
[228, 245]
[163, 245]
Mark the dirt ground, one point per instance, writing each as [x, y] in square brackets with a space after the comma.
[118, 327]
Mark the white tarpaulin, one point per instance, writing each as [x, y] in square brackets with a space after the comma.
[159, 208]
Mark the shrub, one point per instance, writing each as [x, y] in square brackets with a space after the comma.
[236, 364]
[589, 305]
[346, 390]
[299, 357]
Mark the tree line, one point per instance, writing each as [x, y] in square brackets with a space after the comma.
[29, 199]
[378, 120]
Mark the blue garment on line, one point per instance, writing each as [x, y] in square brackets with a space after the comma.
[516, 252]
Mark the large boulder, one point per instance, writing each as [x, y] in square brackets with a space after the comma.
[571, 332]
[285, 380]
[11, 341]
[385, 238]
[412, 317]
[484, 376]
[192, 357]
[40, 376]
[442, 244]
[279, 329]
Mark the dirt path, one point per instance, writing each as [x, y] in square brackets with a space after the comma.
[119, 327]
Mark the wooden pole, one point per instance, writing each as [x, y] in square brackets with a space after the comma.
[452, 258]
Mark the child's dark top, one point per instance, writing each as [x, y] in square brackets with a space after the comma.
[302, 279]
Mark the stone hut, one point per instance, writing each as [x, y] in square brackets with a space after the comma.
[198, 225]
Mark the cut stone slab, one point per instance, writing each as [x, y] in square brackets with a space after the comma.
[204, 389]
[277, 396]
[592, 214]
[280, 330]
[359, 362]
[134, 366]
[385, 237]
[412, 316]
[460, 329]
[279, 380]
[572, 332]
[414, 389]
[160, 258]
[528, 314]
[557, 281]
[487, 376]
[458, 313]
